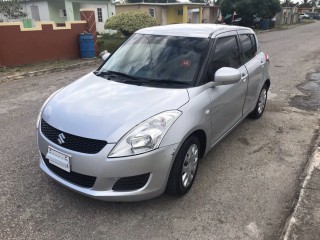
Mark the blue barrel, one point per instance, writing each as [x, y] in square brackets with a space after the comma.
[86, 45]
[265, 24]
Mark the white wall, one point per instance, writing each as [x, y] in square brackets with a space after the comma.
[107, 11]
[43, 9]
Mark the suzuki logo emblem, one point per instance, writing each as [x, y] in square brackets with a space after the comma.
[61, 138]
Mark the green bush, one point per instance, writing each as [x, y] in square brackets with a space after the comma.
[129, 22]
[110, 42]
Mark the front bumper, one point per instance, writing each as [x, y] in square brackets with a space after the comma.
[109, 170]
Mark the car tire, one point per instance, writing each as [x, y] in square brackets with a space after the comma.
[261, 103]
[184, 168]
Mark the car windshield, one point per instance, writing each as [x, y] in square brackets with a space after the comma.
[156, 60]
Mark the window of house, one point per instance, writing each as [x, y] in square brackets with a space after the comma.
[152, 12]
[62, 13]
[99, 13]
[249, 46]
[225, 54]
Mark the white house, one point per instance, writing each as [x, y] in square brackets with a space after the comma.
[60, 11]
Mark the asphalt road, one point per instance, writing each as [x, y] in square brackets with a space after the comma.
[244, 188]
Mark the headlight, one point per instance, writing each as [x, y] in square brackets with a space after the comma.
[146, 136]
[43, 106]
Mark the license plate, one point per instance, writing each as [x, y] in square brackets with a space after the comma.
[58, 159]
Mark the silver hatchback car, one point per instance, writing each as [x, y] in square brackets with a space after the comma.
[138, 126]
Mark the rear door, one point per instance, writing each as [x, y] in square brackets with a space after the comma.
[255, 62]
[226, 101]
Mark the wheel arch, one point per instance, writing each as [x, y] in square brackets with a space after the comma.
[201, 135]
[268, 83]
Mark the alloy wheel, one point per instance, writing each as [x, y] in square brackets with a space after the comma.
[262, 100]
[189, 165]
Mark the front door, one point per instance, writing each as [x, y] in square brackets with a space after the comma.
[226, 101]
[35, 13]
[100, 15]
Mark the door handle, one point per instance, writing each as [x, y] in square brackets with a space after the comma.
[244, 77]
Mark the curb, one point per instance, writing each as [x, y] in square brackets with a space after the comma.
[313, 164]
[49, 70]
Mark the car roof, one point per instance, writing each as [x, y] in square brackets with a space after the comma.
[203, 30]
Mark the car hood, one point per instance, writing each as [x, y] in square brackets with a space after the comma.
[97, 108]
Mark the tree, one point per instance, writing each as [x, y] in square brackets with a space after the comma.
[227, 6]
[287, 3]
[11, 9]
[247, 8]
[314, 3]
[129, 22]
[267, 8]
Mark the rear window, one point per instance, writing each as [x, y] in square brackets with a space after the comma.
[249, 46]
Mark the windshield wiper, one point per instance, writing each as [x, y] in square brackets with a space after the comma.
[125, 78]
[169, 81]
[134, 80]
[114, 73]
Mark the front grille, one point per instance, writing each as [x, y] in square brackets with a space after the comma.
[72, 142]
[131, 183]
[73, 177]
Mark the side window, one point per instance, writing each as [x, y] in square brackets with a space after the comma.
[225, 54]
[249, 46]
[99, 13]
[152, 12]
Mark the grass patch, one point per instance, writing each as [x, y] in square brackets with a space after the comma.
[110, 42]
[7, 71]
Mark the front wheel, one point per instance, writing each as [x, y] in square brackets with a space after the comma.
[261, 104]
[184, 167]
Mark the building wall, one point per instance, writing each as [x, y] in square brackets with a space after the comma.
[19, 46]
[169, 14]
[287, 17]
[43, 9]
[141, 9]
[76, 11]
[107, 11]
[210, 14]
[54, 7]
[174, 14]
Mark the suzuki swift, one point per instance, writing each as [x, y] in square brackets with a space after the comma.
[138, 126]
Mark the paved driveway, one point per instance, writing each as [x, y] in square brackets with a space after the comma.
[244, 188]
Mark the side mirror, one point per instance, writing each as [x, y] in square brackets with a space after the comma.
[226, 75]
[105, 56]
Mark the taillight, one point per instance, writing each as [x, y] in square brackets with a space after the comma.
[267, 57]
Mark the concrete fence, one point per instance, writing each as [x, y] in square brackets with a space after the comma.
[47, 41]
[287, 18]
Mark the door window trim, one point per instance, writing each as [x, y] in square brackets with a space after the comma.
[203, 78]
[242, 51]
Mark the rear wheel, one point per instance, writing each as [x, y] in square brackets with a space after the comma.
[261, 104]
[184, 167]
